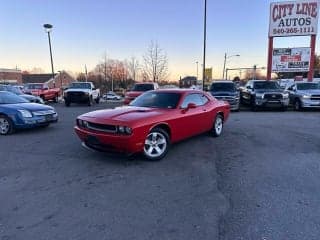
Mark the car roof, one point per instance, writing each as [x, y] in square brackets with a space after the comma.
[179, 90]
[222, 81]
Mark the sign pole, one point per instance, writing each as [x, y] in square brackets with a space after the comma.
[312, 57]
[270, 50]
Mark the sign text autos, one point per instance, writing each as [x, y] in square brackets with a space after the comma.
[294, 18]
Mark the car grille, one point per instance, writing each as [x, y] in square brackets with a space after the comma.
[76, 96]
[272, 96]
[43, 113]
[102, 127]
[231, 100]
[315, 97]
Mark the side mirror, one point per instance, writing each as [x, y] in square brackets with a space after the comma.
[191, 105]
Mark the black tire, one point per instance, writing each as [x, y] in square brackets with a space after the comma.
[67, 103]
[6, 125]
[45, 125]
[97, 100]
[284, 109]
[297, 105]
[217, 127]
[90, 101]
[157, 144]
[56, 98]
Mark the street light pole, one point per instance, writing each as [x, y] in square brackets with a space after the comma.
[197, 69]
[204, 43]
[225, 61]
[48, 28]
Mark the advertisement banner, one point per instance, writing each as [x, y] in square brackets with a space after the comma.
[291, 59]
[299, 18]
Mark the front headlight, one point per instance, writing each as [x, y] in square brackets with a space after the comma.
[306, 96]
[259, 95]
[25, 113]
[285, 95]
[124, 130]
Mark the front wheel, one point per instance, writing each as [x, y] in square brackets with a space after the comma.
[6, 125]
[90, 101]
[56, 98]
[156, 144]
[297, 105]
[217, 126]
[98, 100]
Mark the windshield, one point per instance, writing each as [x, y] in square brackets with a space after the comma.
[157, 100]
[223, 87]
[11, 98]
[266, 85]
[308, 86]
[34, 86]
[142, 87]
[81, 85]
[12, 89]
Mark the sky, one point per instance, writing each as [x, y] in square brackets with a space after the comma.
[84, 31]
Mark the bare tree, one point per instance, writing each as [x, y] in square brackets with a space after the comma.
[133, 66]
[155, 63]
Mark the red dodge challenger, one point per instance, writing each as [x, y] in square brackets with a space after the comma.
[152, 122]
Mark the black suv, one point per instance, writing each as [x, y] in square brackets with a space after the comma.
[227, 91]
[263, 93]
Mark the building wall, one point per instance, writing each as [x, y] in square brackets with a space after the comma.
[63, 78]
[10, 76]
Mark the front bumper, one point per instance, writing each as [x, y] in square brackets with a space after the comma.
[233, 102]
[36, 121]
[308, 103]
[272, 103]
[111, 143]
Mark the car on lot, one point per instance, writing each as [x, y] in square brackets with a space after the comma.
[18, 113]
[152, 122]
[17, 90]
[81, 92]
[111, 96]
[43, 91]
[227, 91]
[264, 93]
[304, 95]
[138, 89]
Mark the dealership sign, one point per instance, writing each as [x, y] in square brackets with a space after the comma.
[297, 18]
[291, 59]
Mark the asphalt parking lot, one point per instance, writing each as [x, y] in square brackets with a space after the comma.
[259, 180]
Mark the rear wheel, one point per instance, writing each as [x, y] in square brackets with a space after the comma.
[6, 125]
[297, 105]
[67, 103]
[156, 144]
[217, 127]
[55, 98]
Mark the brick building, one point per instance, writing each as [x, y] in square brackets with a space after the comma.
[60, 79]
[10, 76]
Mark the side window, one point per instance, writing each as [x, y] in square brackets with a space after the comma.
[192, 98]
[204, 99]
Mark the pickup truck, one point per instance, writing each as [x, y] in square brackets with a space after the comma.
[263, 93]
[81, 92]
[138, 89]
[42, 90]
[304, 95]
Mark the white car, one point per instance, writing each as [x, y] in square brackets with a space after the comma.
[111, 96]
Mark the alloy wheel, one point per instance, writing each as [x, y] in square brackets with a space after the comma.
[156, 145]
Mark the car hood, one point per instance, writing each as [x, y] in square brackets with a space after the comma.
[78, 90]
[309, 92]
[223, 93]
[123, 114]
[133, 94]
[268, 90]
[28, 106]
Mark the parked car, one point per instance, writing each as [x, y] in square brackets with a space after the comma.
[111, 96]
[264, 93]
[304, 95]
[138, 89]
[43, 91]
[18, 113]
[81, 92]
[227, 91]
[16, 90]
[152, 122]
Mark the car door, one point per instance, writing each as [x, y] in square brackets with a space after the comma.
[192, 121]
[291, 91]
[247, 92]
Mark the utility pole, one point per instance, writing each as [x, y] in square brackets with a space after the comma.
[204, 43]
